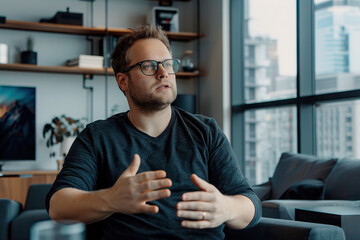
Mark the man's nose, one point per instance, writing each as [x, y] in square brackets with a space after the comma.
[161, 73]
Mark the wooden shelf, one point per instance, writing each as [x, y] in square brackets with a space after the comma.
[73, 29]
[52, 69]
[73, 70]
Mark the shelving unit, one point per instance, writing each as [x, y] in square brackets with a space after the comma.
[79, 30]
[72, 70]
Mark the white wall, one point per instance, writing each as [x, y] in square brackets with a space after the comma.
[215, 61]
[63, 93]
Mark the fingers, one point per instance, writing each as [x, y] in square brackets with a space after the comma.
[133, 167]
[146, 176]
[202, 184]
[155, 195]
[154, 184]
[195, 206]
[147, 208]
[196, 224]
[195, 215]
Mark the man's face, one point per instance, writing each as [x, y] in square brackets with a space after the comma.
[150, 92]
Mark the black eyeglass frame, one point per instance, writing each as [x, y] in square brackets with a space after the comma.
[157, 69]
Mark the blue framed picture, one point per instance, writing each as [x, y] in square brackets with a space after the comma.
[17, 123]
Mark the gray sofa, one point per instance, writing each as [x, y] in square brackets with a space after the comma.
[305, 181]
[15, 223]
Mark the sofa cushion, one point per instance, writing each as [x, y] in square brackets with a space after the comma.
[293, 168]
[310, 189]
[343, 181]
[21, 225]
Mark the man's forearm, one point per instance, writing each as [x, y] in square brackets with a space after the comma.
[74, 204]
[241, 212]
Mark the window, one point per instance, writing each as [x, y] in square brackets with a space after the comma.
[275, 110]
[337, 50]
[335, 132]
[270, 46]
[271, 132]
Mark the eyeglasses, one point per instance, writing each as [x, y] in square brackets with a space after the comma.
[150, 67]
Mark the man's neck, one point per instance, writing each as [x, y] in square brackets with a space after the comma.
[152, 123]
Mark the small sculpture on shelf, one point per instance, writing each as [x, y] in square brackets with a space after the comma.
[62, 130]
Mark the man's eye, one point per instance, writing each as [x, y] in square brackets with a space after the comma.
[167, 65]
[148, 66]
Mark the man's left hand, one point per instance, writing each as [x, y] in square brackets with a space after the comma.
[207, 208]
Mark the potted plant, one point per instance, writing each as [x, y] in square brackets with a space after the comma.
[62, 130]
[29, 56]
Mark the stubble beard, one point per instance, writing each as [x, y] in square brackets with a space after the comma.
[151, 102]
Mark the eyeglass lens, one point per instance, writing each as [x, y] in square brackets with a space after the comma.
[150, 67]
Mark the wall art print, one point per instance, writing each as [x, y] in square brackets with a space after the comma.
[17, 123]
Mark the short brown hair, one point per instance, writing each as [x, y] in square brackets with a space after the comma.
[120, 58]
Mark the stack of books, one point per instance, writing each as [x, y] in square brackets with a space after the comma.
[86, 61]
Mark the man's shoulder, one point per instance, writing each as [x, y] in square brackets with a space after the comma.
[114, 120]
[194, 118]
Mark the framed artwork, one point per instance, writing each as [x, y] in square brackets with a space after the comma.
[17, 123]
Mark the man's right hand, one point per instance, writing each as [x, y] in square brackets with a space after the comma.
[132, 191]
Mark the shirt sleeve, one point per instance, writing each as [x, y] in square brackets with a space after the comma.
[80, 167]
[225, 172]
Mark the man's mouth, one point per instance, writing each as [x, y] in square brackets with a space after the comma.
[163, 86]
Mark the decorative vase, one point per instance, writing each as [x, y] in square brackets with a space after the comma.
[187, 61]
[60, 163]
[29, 57]
[65, 145]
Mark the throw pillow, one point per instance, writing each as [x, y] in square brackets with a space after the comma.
[308, 189]
[293, 168]
[343, 181]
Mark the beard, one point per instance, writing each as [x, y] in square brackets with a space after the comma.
[150, 101]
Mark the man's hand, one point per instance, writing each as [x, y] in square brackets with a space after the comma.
[132, 191]
[207, 208]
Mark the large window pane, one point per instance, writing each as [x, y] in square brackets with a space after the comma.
[268, 133]
[337, 48]
[338, 129]
[270, 50]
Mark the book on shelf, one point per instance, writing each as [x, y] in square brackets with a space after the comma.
[86, 61]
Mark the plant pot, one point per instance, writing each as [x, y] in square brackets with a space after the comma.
[29, 57]
[65, 145]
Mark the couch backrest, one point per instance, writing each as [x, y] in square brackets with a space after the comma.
[343, 181]
[293, 168]
[36, 194]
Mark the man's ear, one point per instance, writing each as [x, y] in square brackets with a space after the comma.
[122, 81]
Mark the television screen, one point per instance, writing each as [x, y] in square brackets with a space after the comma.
[17, 123]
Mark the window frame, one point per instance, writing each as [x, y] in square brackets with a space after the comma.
[305, 99]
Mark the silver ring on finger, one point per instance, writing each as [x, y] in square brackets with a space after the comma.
[204, 216]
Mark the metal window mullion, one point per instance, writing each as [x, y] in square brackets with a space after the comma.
[237, 79]
[306, 76]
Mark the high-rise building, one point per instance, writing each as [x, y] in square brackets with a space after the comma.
[337, 59]
[337, 37]
[268, 132]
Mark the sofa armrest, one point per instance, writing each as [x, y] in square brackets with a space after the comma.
[279, 229]
[263, 191]
[9, 209]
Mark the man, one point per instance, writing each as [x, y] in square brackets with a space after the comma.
[154, 172]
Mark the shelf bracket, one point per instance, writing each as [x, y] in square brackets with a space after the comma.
[91, 92]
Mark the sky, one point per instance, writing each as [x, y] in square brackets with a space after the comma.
[276, 19]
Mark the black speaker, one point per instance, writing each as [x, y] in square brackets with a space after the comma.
[186, 102]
